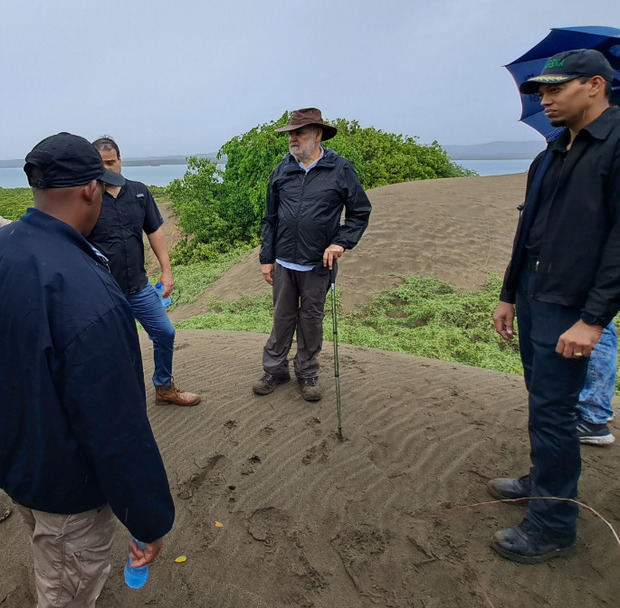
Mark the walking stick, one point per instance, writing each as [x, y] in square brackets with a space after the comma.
[336, 366]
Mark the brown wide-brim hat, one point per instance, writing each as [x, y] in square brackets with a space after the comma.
[308, 116]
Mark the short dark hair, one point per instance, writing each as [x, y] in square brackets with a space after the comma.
[584, 79]
[107, 143]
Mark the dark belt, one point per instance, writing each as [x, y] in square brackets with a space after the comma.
[537, 266]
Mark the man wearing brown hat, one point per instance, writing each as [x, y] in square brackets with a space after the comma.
[302, 239]
[76, 448]
[564, 278]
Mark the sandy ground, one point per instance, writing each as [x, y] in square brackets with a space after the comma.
[385, 518]
[456, 229]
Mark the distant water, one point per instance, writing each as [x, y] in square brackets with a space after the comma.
[162, 175]
[496, 167]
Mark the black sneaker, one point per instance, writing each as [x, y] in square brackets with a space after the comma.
[504, 488]
[594, 434]
[267, 384]
[310, 389]
[526, 544]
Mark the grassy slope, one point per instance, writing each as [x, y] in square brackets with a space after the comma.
[422, 316]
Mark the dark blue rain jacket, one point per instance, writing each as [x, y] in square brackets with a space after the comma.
[74, 434]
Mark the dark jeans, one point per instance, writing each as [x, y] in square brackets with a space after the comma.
[298, 304]
[554, 384]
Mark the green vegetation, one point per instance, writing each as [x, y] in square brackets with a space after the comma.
[14, 202]
[190, 280]
[222, 210]
[423, 316]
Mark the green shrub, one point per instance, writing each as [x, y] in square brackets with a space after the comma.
[14, 202]
[221, 208]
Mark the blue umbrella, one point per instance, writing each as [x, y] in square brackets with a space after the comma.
[603, 39]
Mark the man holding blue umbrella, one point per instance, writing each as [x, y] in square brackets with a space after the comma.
[564, 277]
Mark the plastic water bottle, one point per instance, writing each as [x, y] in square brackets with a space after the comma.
[165, 302]
[136, 577]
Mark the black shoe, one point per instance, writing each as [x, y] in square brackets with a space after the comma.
[267, 384]
[504, 488]
[594, 434]
[526, 544]
[310, 389]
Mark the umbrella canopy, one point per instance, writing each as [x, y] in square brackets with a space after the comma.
[603, 39]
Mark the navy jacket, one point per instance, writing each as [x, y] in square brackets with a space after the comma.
[580, 254]
[304, 209]
[74, 434]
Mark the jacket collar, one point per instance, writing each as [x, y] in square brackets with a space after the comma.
[602, 126]
[599, 128]
[44, 221]
[328, 160]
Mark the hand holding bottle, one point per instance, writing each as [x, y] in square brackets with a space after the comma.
[143, 556]
[140, 556]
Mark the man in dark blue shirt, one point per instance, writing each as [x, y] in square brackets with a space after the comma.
[76, 447]
[127, 211]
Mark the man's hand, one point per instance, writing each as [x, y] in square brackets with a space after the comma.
[167, 281]
[333, 252]
[579, 340]
[142, 557]
[160, 249]
[267, 270]
[503, 319]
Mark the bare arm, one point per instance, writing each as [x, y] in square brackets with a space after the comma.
[158, 244]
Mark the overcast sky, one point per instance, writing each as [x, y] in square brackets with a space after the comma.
[184, 76]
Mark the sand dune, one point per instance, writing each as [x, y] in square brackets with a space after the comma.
[455, 229]
[375, 520]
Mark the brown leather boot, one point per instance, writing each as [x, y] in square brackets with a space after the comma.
[171, 394]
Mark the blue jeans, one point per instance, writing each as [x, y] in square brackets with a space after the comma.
[553, 383]
[595, 398]
[148, 310]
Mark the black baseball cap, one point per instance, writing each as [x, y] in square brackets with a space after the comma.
[569, 65]
[65, 160]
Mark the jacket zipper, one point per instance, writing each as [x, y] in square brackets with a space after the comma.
[301, 201]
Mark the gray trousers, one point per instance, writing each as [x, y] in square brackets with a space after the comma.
[298, 304]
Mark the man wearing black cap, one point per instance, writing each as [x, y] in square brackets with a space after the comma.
[301, 240]
[564, 277]
[76, 447]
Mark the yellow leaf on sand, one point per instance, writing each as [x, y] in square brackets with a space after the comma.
[219, 524]
[181, 559]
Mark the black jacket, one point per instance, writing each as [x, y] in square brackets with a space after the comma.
[304, 209]
[580, 254]
[74, 434]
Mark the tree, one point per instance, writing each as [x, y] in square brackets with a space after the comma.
[224, 209]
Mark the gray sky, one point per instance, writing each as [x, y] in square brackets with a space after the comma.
[184, 76]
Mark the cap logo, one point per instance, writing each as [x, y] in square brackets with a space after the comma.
[554, 63]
